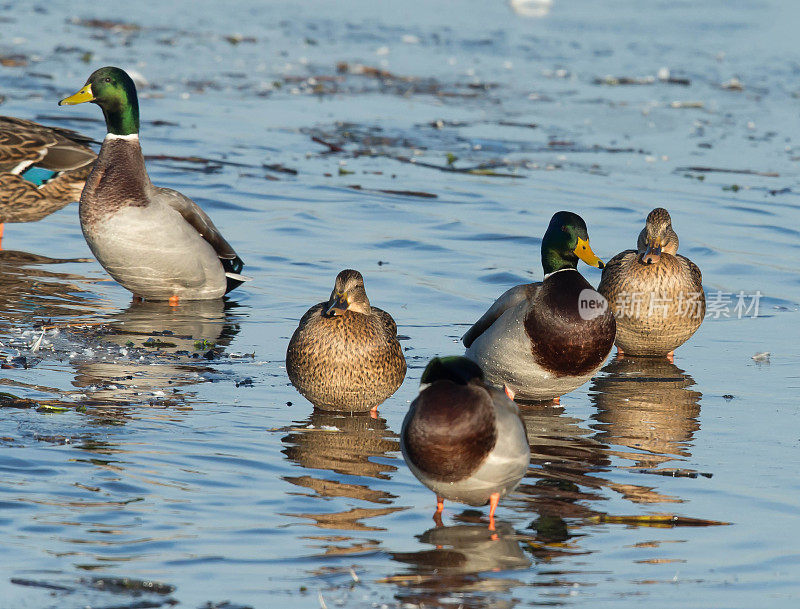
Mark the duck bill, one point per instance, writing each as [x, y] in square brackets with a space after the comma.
[336, 305]
[652, 254]
[585, 253]
[81, 97]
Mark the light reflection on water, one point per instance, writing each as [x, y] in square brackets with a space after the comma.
[192, 462]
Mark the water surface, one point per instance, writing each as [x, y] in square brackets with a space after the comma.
[150, 457]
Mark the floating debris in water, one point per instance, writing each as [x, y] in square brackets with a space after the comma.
[105, 24]
[656, 520]
[687, 104]
[734, 84]
[662, 76]
[13, 61]
[754, 172]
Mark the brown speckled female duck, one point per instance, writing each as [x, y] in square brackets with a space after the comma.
[655, 293]
[462, 438]
[25, 144]
[345, 355]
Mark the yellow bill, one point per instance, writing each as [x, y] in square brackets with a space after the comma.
[585, 253]
[82, 96]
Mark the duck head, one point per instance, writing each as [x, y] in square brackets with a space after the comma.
[348, 295]
[565, 242]
[113, 90]
[454, 368]
[657, 237]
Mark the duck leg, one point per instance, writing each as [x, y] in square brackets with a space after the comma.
[620, 352]
[437, 515]
[494, 499]
[373, 413]
[557, 400]
[2, 226]
[671, 357]
[173, 301]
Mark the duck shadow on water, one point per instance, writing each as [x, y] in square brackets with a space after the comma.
[456, 565]
[346, 445]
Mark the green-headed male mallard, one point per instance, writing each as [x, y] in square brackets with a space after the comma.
[154, 241]
[345, 355]
[63, 153]
[545, 339]
[463, 438]
[655, 293]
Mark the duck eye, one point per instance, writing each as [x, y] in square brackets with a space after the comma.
[108, 79]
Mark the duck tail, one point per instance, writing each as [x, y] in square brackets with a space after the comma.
[233, 269]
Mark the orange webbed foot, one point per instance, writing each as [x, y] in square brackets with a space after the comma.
[173, 301]
[437, 515]
[494, 499]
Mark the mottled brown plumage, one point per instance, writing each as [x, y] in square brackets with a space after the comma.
[25, 144]
[655, 293]
[345, 355]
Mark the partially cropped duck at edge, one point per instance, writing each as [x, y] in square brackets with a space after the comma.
[345, 355]
[545, 339]
[463, 438]
[655, 293]
[154, 241]
[63, 158]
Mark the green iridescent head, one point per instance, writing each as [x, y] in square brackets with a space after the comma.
[565, 242]
[113, 90]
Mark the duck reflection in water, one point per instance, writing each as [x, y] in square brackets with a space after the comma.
[460, 555]
[347, 445]
[565, 459]
[644, 404]
[647, 405]
[29, 289]
[116, 362]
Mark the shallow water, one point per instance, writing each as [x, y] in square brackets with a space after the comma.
[152, 456]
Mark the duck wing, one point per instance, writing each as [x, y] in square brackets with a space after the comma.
[200, 221]
[387, 321]
[24, 143]
[694, 272]
[510, 299]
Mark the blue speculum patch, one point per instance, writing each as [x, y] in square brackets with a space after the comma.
[37, 175]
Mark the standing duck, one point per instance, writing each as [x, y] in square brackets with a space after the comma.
[63, 153]
[545, 339]
[463, 438]
[154, 241]
[655, 293]
[345, 355]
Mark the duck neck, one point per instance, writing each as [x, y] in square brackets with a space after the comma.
[122, 118]
[553, 260]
